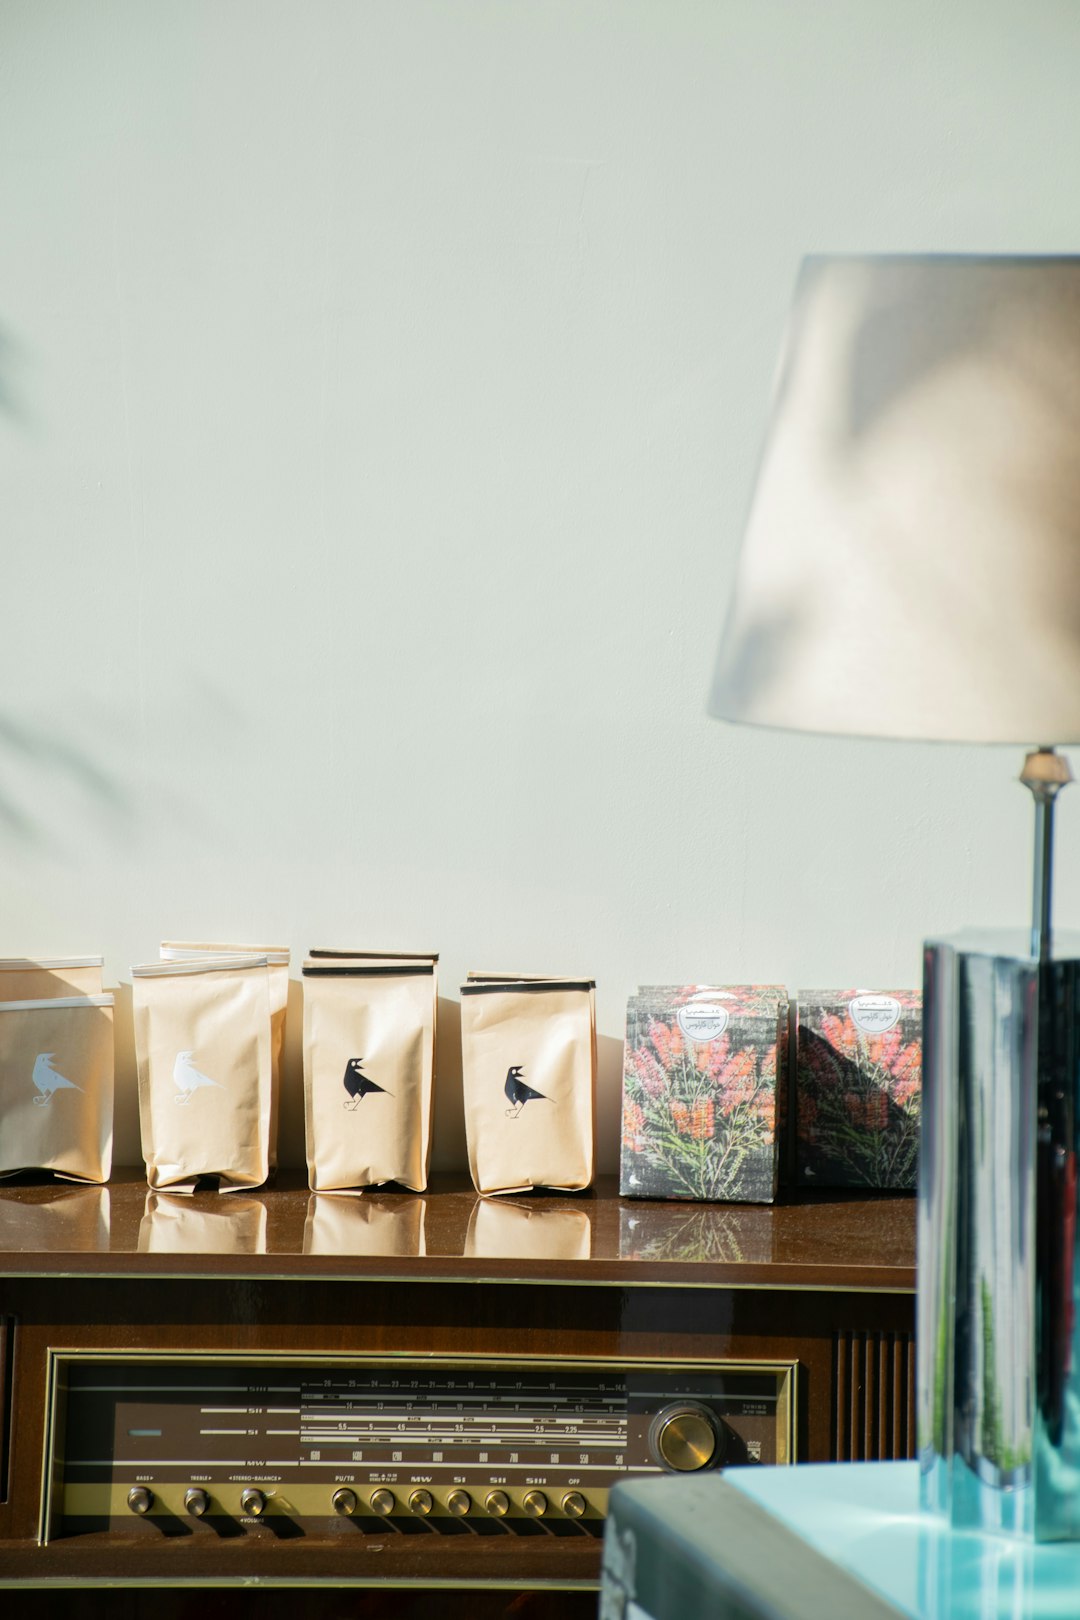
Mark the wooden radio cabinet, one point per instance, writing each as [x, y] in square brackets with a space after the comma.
[410, 1394]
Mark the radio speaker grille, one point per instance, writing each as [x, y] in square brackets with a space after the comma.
[873, 1397]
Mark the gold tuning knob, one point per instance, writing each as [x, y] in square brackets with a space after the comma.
[574, 1505]
[497, 1504]
[382, 1502]
[535, 1503]
[139, 1499]
[345, 1502]
[252, 1502]
[421, 1502]
[685, 1438]
[197, 1502]
[459, 1502]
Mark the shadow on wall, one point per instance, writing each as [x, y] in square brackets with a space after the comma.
[10, 404]
[448, 1148]
[609, 1073]
[29, 748]
[127, 1144]
[292, 1150]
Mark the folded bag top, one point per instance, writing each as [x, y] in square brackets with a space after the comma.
[25, 978]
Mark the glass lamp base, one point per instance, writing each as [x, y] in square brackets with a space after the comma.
[998, 1337]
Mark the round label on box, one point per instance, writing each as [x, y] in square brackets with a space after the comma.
[874, 1014]
[702, 1021]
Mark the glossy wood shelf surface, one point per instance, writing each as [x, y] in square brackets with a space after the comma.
[824, 1242]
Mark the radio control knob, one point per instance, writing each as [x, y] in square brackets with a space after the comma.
[535, 1503]
[252, 1502]
[459, 1502]
[345, 1502]
[139, 1499]
[421, 1502]
[497, 1504]
[685, 1437]
[382, 1502]
[197, 1502]
[574, 1505]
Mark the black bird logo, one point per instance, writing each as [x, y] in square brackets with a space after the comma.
[358, 1084]
[519, 1093]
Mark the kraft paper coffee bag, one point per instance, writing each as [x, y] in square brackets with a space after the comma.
[277, 958]
[528, 1054]
[23, 978]
[56, 1086]
[202, 1042]
[369, 1061]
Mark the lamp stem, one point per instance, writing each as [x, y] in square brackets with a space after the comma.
[1045, 772]
[1044, 871]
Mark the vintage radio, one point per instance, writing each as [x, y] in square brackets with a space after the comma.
[418, 1391]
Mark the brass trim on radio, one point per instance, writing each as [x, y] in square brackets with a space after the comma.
[58, 1361]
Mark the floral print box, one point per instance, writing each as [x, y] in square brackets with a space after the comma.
[858, 1075]
[699, 1113]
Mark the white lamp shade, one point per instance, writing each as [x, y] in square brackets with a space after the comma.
[911, 565]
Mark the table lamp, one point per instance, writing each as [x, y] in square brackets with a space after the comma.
[911, 569]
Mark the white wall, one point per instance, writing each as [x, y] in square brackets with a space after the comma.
[382, 384]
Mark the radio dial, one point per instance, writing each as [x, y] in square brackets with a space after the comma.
[574, 1505]
[421, 1502]
[459, 1502]
[197, 1502]
[535, 1503]
[497, 1504]
[685, 1437]
[382, 1502]
[252, 1502]
[345, 1502]
[139, 1499]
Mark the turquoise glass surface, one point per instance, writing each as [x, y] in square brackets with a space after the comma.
[866, 1517]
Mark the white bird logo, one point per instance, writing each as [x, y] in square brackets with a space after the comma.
[47, 1079]
[188, 1078]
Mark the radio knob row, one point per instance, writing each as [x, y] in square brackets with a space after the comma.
[381, 1501]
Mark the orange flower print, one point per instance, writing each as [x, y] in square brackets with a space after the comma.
[884, 1049]
[765, 1105]
[739, 1079]
[711, 1056]
[668, 1042]
[681, 1115]
[871, 1112]
[701, 1120]
[840, 1033]
[903, 1092]
[649, 1072]
[908, 1065]
[633, 1135]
